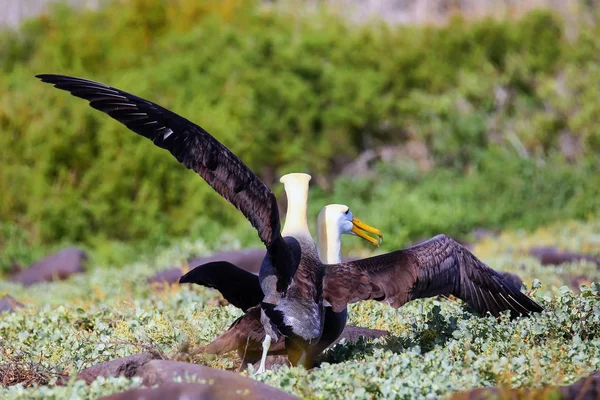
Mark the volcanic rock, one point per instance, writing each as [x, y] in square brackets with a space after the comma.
[553, 256]
[9, 304]
[126, 366]
[57, 266]
[214, 383]
[194, 391]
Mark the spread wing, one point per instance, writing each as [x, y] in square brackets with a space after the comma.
[438, 266]
[239, 287]
[197, 150]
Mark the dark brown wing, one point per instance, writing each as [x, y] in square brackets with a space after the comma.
[438, 266]
[239, 287]
[196, 149]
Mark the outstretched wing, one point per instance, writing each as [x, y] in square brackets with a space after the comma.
[239, 287]
[196, 149]
[438, 266]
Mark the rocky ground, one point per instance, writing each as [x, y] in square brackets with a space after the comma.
[58, 336]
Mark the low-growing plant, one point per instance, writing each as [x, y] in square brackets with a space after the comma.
[436, 346]
[22, 368]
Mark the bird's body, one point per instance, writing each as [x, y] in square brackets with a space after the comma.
[297, 313]
[295, 284]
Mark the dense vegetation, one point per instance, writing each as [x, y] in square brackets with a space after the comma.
[489, 124]
[505, 114]
[436, 346]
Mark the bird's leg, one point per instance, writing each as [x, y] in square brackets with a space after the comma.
[266, 344]
[302, 359]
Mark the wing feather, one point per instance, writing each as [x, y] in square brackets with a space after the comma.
[438, 266]
[239, 287]
[197, 150]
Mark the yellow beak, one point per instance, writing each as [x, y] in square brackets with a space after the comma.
[360, 228]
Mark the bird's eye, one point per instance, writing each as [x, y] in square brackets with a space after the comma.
[347, 211]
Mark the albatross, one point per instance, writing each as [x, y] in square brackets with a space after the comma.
[296, 285]
[242, 289]
[335, 220]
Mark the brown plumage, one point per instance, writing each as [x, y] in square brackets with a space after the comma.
[438, 266]
[245, 335]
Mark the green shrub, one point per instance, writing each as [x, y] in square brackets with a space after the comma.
[284, 92]
[501, 191]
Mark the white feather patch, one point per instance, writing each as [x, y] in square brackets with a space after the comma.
[168, 132]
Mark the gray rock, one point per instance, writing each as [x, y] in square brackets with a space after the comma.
[584, 389]
[210, 382]
[9, 304]
[167, 276]
[553, 256]
[57, 266]
[126, 366]
[576, 282]
[194, 391]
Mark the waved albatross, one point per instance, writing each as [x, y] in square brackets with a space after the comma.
[294, 282]
[242, 289]
[456, 272]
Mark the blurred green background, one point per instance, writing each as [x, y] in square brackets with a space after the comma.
[420, 128]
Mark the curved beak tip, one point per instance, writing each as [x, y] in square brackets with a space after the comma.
[360, 228]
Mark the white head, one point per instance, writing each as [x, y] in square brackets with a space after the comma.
[296, 190]
[335, 220]
[296, 184]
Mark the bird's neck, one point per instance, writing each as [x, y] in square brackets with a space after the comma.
[296, 189]
[329, 241]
